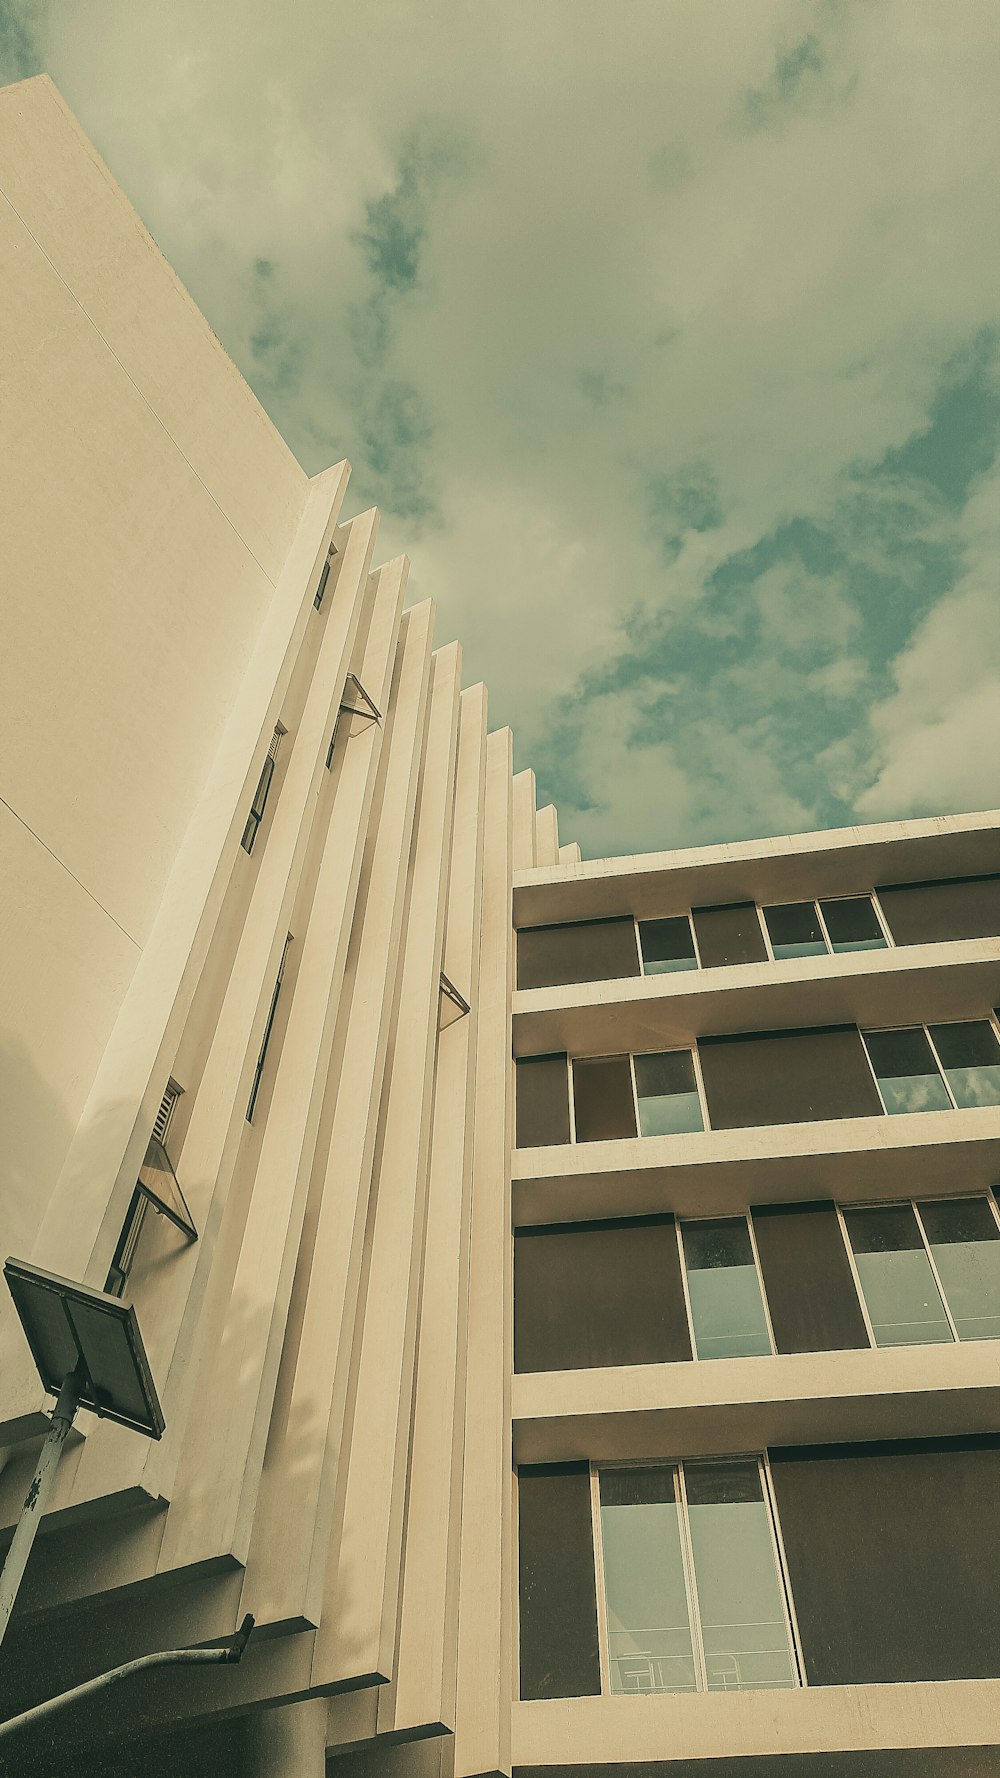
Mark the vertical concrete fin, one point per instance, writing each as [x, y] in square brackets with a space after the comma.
[570, 853]
[482, 1718]
[547, 835]
[322, 1350]
[222, 1442]
[360, 1637]
[524, 820]
[423, 1691]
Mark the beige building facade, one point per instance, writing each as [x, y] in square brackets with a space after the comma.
[579, 1346]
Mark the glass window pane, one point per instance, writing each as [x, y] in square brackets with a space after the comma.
[794, 930]
[965, 1242]
[668, 1094]
[726, 1304]
[649, 1631]
[743, 1620]
[970, 1057]
[853, 924]
[667, 945]
[904, 1304]
[907, 1072]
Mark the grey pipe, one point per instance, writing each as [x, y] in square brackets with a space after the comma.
[170, 1657]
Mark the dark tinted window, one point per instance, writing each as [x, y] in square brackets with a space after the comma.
[667, 1094]
[541, 1101]
[927, 913]
[730, 934]
[970, 1056]
[559, 1650]
[787, 1077]
[602, 1098]
[590, 951]
[598, 1294]
[807, 1276]
[907, 1072]
[667, 945]
[852, 924]
[794, 930]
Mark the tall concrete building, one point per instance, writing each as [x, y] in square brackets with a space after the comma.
[572, 1289]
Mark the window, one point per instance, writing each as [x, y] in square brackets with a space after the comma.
[970, 1056]
[259, 803]
[906, 1071]
[727, 1304]
[853, 924]
[324, 577]
[667, 1094]
[666, 945]
[897, 1279]
[729, 934]
[156, 1187]
[259, 1070]
[932, 1068]
[929, 1271]
[794, 930]
[694, 1597]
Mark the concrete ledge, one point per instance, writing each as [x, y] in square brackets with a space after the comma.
[620, 1731]
[787, 867]
[707, 1408]
[718, 1172]
[903, 985]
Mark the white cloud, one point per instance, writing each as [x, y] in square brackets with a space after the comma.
[775, 305]
[937, 735]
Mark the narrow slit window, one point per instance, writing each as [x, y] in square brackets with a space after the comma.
[964, 1239]
[727, 1306]
[324, 577]
[667, 1092]
[907, 1074]
[794, 930]
[261, 1059]
[853, 924]
[259, 803]
[970, 1056]
[903, 1300]
[667, 945]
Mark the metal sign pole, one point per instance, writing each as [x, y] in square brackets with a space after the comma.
[37, 1496]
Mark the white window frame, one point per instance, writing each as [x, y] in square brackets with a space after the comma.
[690, 1049]
[859, 895]
[723, 1217]
[684, 915]
[676, 1465]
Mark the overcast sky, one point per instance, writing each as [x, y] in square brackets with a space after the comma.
[664, 334]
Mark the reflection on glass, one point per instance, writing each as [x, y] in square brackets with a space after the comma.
[668, 1094]
[667, 945]
[649, 1631]
[794, 930]
[743, 1623]
[853, 924]
[965, 1241]
[906, 1070]
[904, 1304]
[970, 1057]
[726, 1305]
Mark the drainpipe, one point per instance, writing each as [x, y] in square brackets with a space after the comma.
[170, 1657]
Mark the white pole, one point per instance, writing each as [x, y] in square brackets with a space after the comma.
[63, 1415]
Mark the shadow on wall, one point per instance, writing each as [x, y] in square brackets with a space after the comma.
[35, 1134]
